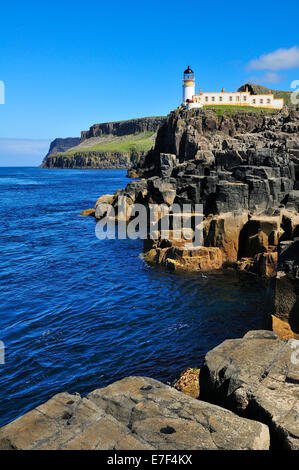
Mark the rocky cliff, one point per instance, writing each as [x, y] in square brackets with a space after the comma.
[92, 159]
[121, 128]
[257, 377]
[62, 145]
[108, 145]
[220, 140]
[243, 167]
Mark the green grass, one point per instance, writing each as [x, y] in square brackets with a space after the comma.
[136, 142]
[231, 109]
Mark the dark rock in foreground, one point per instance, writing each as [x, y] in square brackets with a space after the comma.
[133, 414]
[257, 377]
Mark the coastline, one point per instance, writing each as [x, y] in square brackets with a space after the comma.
[143, 414]
[166, 179]
[246, 182]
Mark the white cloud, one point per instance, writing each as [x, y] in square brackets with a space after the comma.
[22, 152]
[267, 78]
[23, 146]
[281, 59]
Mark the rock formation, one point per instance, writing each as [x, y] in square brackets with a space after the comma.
[62, 145]
[121, 128]
[257, 377]
[283, 295]
[248, 401]
[86, 159]
[135, 413]
[243, 167]
[92, 150]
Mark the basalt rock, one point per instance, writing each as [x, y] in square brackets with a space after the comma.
[239, 138]
[113, 133]
[257, 377]
[121, 128]
[62, 145]
[283, 294]
[240, 170]
[135, 413]
[85, 159]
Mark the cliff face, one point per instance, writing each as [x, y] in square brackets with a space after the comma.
[108, 145]
[62, 145]
[222, 137]
[93, 160]
[243, 167]
[120, 128]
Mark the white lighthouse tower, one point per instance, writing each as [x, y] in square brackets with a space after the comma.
[188, 85]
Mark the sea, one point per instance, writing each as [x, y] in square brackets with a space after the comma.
[78, 313]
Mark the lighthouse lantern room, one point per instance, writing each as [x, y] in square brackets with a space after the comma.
[188, 85]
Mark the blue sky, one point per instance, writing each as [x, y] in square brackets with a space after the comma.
[67, 65]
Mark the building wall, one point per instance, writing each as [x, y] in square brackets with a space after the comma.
[237, 99]
[188, 91]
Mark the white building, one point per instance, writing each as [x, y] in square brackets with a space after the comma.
[235, 98]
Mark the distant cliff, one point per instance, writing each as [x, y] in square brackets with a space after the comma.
[109, 145]
[62, 145]
[94, 160]
[121, 128]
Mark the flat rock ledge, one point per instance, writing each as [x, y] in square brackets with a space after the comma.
[135, 413]
[258, 378]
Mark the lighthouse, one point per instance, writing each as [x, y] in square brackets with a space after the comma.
[188, 85]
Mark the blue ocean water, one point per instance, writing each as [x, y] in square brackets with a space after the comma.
[78, 313]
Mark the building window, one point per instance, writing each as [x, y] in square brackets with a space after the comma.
[261, 100]
[213, 98]
[220, 98]
[253, 101]
[207, 98]
[237, 98]
[268, 101]
[230, 98]
[244, 98]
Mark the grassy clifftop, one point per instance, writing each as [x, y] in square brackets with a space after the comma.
[109, 151]
[116, 144]
[141, 142]
[231, 109]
